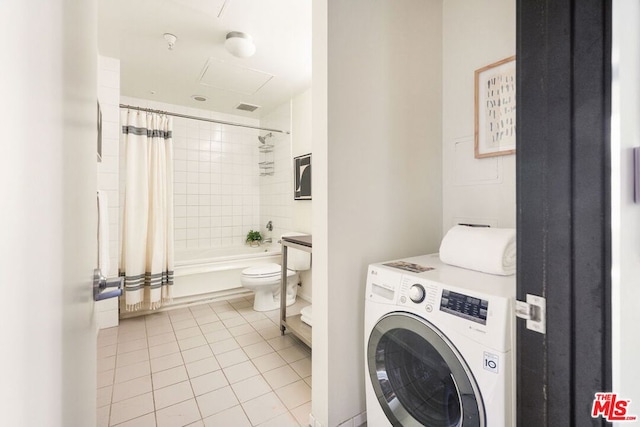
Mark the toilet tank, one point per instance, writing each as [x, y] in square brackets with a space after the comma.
[296, 259]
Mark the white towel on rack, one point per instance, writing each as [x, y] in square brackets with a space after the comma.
[103, 233]
[490, 250]
[306, 315]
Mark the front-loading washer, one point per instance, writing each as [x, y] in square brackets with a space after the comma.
[439, 345]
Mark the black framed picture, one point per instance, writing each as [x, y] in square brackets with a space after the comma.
[302, 177]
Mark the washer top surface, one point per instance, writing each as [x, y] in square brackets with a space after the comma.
[490, 284]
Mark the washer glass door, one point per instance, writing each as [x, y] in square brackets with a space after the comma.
[419, 377]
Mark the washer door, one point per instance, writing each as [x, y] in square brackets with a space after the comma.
[419, 377]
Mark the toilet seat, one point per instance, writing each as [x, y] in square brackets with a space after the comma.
[265, 271]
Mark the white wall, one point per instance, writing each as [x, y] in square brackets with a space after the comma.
[376, 171]
[475, 34]
[625, 213]
[48, 244]
[301, 143]
[108, 175]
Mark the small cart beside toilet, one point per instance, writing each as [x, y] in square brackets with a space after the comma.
[294, 324]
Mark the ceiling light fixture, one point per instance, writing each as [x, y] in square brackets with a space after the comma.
[171, 40]
[240, 44]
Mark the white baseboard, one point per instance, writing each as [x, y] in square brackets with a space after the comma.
[107, 319]
[357, 421]
[360, 419]
[313, 422]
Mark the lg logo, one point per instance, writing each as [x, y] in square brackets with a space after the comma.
[491, 362]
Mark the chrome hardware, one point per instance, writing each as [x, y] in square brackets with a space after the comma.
[270, 226]
[100, 283]
[534, 312]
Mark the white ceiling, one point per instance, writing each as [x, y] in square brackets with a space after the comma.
[132, 31]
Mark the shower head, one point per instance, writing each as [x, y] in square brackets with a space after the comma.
[263, 139]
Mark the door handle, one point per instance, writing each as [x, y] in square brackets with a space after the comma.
[100, 283]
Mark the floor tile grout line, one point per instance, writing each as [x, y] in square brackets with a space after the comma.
[230, 385]
[187, 371]
[113, 378]
[221, 369]
[227, 378]
[195, 398]
[294, 343]
[151, 379]
[255, 397]
[153, 390]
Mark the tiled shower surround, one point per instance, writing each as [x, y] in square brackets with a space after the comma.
[216, 184]
[217, 181]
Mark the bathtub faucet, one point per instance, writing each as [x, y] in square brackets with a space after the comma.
[269, 228]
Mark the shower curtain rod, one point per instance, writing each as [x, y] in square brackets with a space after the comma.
[184, 116]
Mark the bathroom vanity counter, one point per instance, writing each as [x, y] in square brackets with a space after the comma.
[293, 323]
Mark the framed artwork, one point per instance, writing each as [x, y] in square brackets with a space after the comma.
[495, 109]
[302, 177]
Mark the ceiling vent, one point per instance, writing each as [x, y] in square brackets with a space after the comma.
[247, 107]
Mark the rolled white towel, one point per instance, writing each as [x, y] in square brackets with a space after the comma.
[306, 315]
[306, 320]
[490, 250]
[307, 312]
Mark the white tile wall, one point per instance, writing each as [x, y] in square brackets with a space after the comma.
[216, 178]
[276, 191]
[108, 95]
[108, 173]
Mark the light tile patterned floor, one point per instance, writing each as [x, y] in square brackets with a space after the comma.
[218, 364]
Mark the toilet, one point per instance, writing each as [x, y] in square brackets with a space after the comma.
[264, 280]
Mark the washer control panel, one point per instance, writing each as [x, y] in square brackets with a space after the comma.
[465, 306]
[477, 305]
[422, 292]
[416, 292]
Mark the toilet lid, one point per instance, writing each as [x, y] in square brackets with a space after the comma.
[265, 270]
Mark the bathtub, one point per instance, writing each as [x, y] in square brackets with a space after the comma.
[204, 274]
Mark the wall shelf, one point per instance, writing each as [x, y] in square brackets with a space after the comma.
[266, 163]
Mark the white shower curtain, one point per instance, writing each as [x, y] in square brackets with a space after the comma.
[147, 227]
